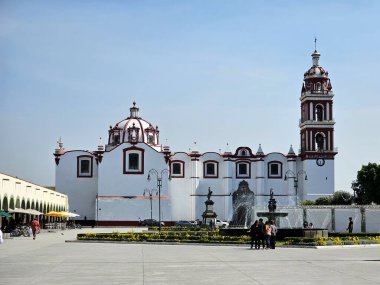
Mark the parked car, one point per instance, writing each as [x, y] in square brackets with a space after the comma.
[221, 224]
[151, 223]
[184, 224]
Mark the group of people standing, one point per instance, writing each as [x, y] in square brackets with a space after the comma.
[263, 234]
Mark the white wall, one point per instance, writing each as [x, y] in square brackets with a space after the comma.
[320, 179]
[81, 191]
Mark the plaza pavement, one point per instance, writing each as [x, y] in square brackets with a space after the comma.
[51, 260]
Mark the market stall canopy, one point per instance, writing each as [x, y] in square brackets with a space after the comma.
[18, 210]
[25, 211]
[34, 212]
[5, 214]
[68, 214]
[54, 214]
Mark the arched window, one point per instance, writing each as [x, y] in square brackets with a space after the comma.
[210, 169]
[275, 169]
[318, 87]
[133, 160]
[116, 138]
[319, 141]
[177, 169]
[319, 113]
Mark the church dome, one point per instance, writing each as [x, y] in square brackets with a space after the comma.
[316, 70]
[134, 130]
[316, 78]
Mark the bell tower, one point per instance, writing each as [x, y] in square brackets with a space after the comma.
[317, 131]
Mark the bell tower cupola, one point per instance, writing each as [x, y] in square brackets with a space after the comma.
[317, 123]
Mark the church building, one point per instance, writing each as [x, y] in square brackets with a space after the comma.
[110, 185]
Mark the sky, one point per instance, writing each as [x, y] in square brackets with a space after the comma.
[210, 72]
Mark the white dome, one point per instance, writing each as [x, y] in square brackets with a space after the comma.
[134, 129]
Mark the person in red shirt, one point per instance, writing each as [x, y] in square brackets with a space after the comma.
[35, 227]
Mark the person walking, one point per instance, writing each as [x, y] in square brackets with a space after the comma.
[267, 233]
[35, 227]
[350, 225]
[260, 233]
[253, 234]
[273, 235]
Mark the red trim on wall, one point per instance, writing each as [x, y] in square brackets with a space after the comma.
[91, 166]
[141, 150]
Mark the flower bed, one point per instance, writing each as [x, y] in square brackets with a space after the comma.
[172, 236]
[326, 241]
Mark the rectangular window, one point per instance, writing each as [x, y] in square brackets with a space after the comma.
[150, 139]
[243, 169]
[133, 161]
[116, 139]
[177, 168]
[275, 169]
[84, 166]
[210, 169]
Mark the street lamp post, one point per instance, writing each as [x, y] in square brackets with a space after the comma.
[158, 175]
[291, 174]
[150, 193]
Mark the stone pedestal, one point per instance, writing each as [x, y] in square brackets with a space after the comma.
[209, 214]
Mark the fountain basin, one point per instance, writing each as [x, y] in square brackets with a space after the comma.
[301, 232]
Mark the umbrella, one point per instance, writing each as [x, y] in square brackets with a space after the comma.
[69, 214]
[54, 214]
[18, 210]
[34, 212]
[72, 215]
[5, 214]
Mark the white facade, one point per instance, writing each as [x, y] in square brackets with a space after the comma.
[16, 193]
[107, 185]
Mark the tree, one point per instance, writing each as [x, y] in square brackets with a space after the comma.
[307, 203]
[368, 180]
[341, 198]
[323, 201]
[359, 197]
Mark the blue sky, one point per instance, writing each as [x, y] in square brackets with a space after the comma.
[214, 72]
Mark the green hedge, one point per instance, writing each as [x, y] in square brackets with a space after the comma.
[321, 241]
[192, 237]
[359, 234]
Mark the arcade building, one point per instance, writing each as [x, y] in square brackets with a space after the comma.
[109, 185]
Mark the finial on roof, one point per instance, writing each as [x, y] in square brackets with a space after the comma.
[291, 151]
[134, 111]
[315, 43]
[100, 146]
[260, 151]
[60, 143]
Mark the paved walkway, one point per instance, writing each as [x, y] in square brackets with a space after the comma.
[51, 260]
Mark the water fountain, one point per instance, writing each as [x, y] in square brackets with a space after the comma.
[243, 202]
[242, 205]
[272, 214]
